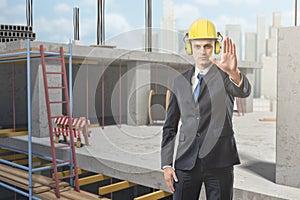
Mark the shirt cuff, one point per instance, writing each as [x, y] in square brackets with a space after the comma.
[166, 166]
[240, 83]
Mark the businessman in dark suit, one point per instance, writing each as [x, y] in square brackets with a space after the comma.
[202, 99]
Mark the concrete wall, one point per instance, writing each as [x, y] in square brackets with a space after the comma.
[269, 78]
[288, 108]
[13, 74]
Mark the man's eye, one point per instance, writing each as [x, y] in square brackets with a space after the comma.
[207, 46]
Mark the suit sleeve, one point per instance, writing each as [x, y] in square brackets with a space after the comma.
[241, 91]
[169, 131]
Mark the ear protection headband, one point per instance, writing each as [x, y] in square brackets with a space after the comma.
[188, 45]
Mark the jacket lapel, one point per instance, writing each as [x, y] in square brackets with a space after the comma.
[210, 74]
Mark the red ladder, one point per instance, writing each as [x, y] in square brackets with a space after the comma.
[72, 161]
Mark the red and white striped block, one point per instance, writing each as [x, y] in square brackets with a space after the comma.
[62, 123]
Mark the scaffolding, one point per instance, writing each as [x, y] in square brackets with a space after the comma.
[27, 56]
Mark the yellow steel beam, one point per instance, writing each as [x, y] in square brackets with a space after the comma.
[92, 179]
[4, 151]
[25, 161]
[154, 195]
[12, 130]
[12, 134]
[67, 173]
[13, 157]
[114, 187]
[43, 165]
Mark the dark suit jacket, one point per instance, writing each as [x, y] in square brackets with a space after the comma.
[206, 126]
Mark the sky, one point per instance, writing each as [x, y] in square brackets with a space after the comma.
[53, 19]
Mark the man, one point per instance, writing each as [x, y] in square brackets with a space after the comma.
[202, 98]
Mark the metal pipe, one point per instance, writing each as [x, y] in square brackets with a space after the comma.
[296, 6]
[29, 119]
[13, 164]
[25, 152]
[51, 167]
[101, 22]
[17, 190]
[29, 13]
[148, 25]
[70, 79]
[76, 23]
[71, 104]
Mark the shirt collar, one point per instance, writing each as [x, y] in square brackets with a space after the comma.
[202, 72]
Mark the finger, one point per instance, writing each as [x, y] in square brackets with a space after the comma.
[171, 186]
[224, 45]
[230, 48]
[174, 176]
[234, 50]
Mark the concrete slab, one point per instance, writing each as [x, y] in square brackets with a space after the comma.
[132, 153]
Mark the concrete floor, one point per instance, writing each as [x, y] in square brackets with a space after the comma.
[132, 153]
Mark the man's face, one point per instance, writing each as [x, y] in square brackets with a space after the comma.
[202, 51]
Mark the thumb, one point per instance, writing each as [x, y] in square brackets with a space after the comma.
[174, 176]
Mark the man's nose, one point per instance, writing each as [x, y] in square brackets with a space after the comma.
[202, 50]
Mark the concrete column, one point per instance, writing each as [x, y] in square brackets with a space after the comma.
[138, 84]
[248, 102]
[38, 103]
[288, 108]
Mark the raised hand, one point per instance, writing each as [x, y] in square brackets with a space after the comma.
[228, 62]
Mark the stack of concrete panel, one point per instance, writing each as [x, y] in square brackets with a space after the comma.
[10, 33]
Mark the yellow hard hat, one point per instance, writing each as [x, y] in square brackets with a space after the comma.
[202, 29]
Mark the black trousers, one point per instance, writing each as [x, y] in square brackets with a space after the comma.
[218, 183]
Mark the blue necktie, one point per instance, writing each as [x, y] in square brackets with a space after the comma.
[197, 89]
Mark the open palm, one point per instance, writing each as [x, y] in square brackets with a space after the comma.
[228, 62]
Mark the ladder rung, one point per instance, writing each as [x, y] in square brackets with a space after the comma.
[58, 102]
[56, 87]
[53, 58]
[68, 176]
[53, 117]
[54, 73]
[65, 161]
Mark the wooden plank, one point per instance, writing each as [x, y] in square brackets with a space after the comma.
[13, 183]
[13, 157]
[267, 119]
[115, 187]
[24, 186]
[50, 195]
[72, 194]
[24, 174]
[92, 179]
[13, 134]
[40, 189]
[154, 195]
[19, 179]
